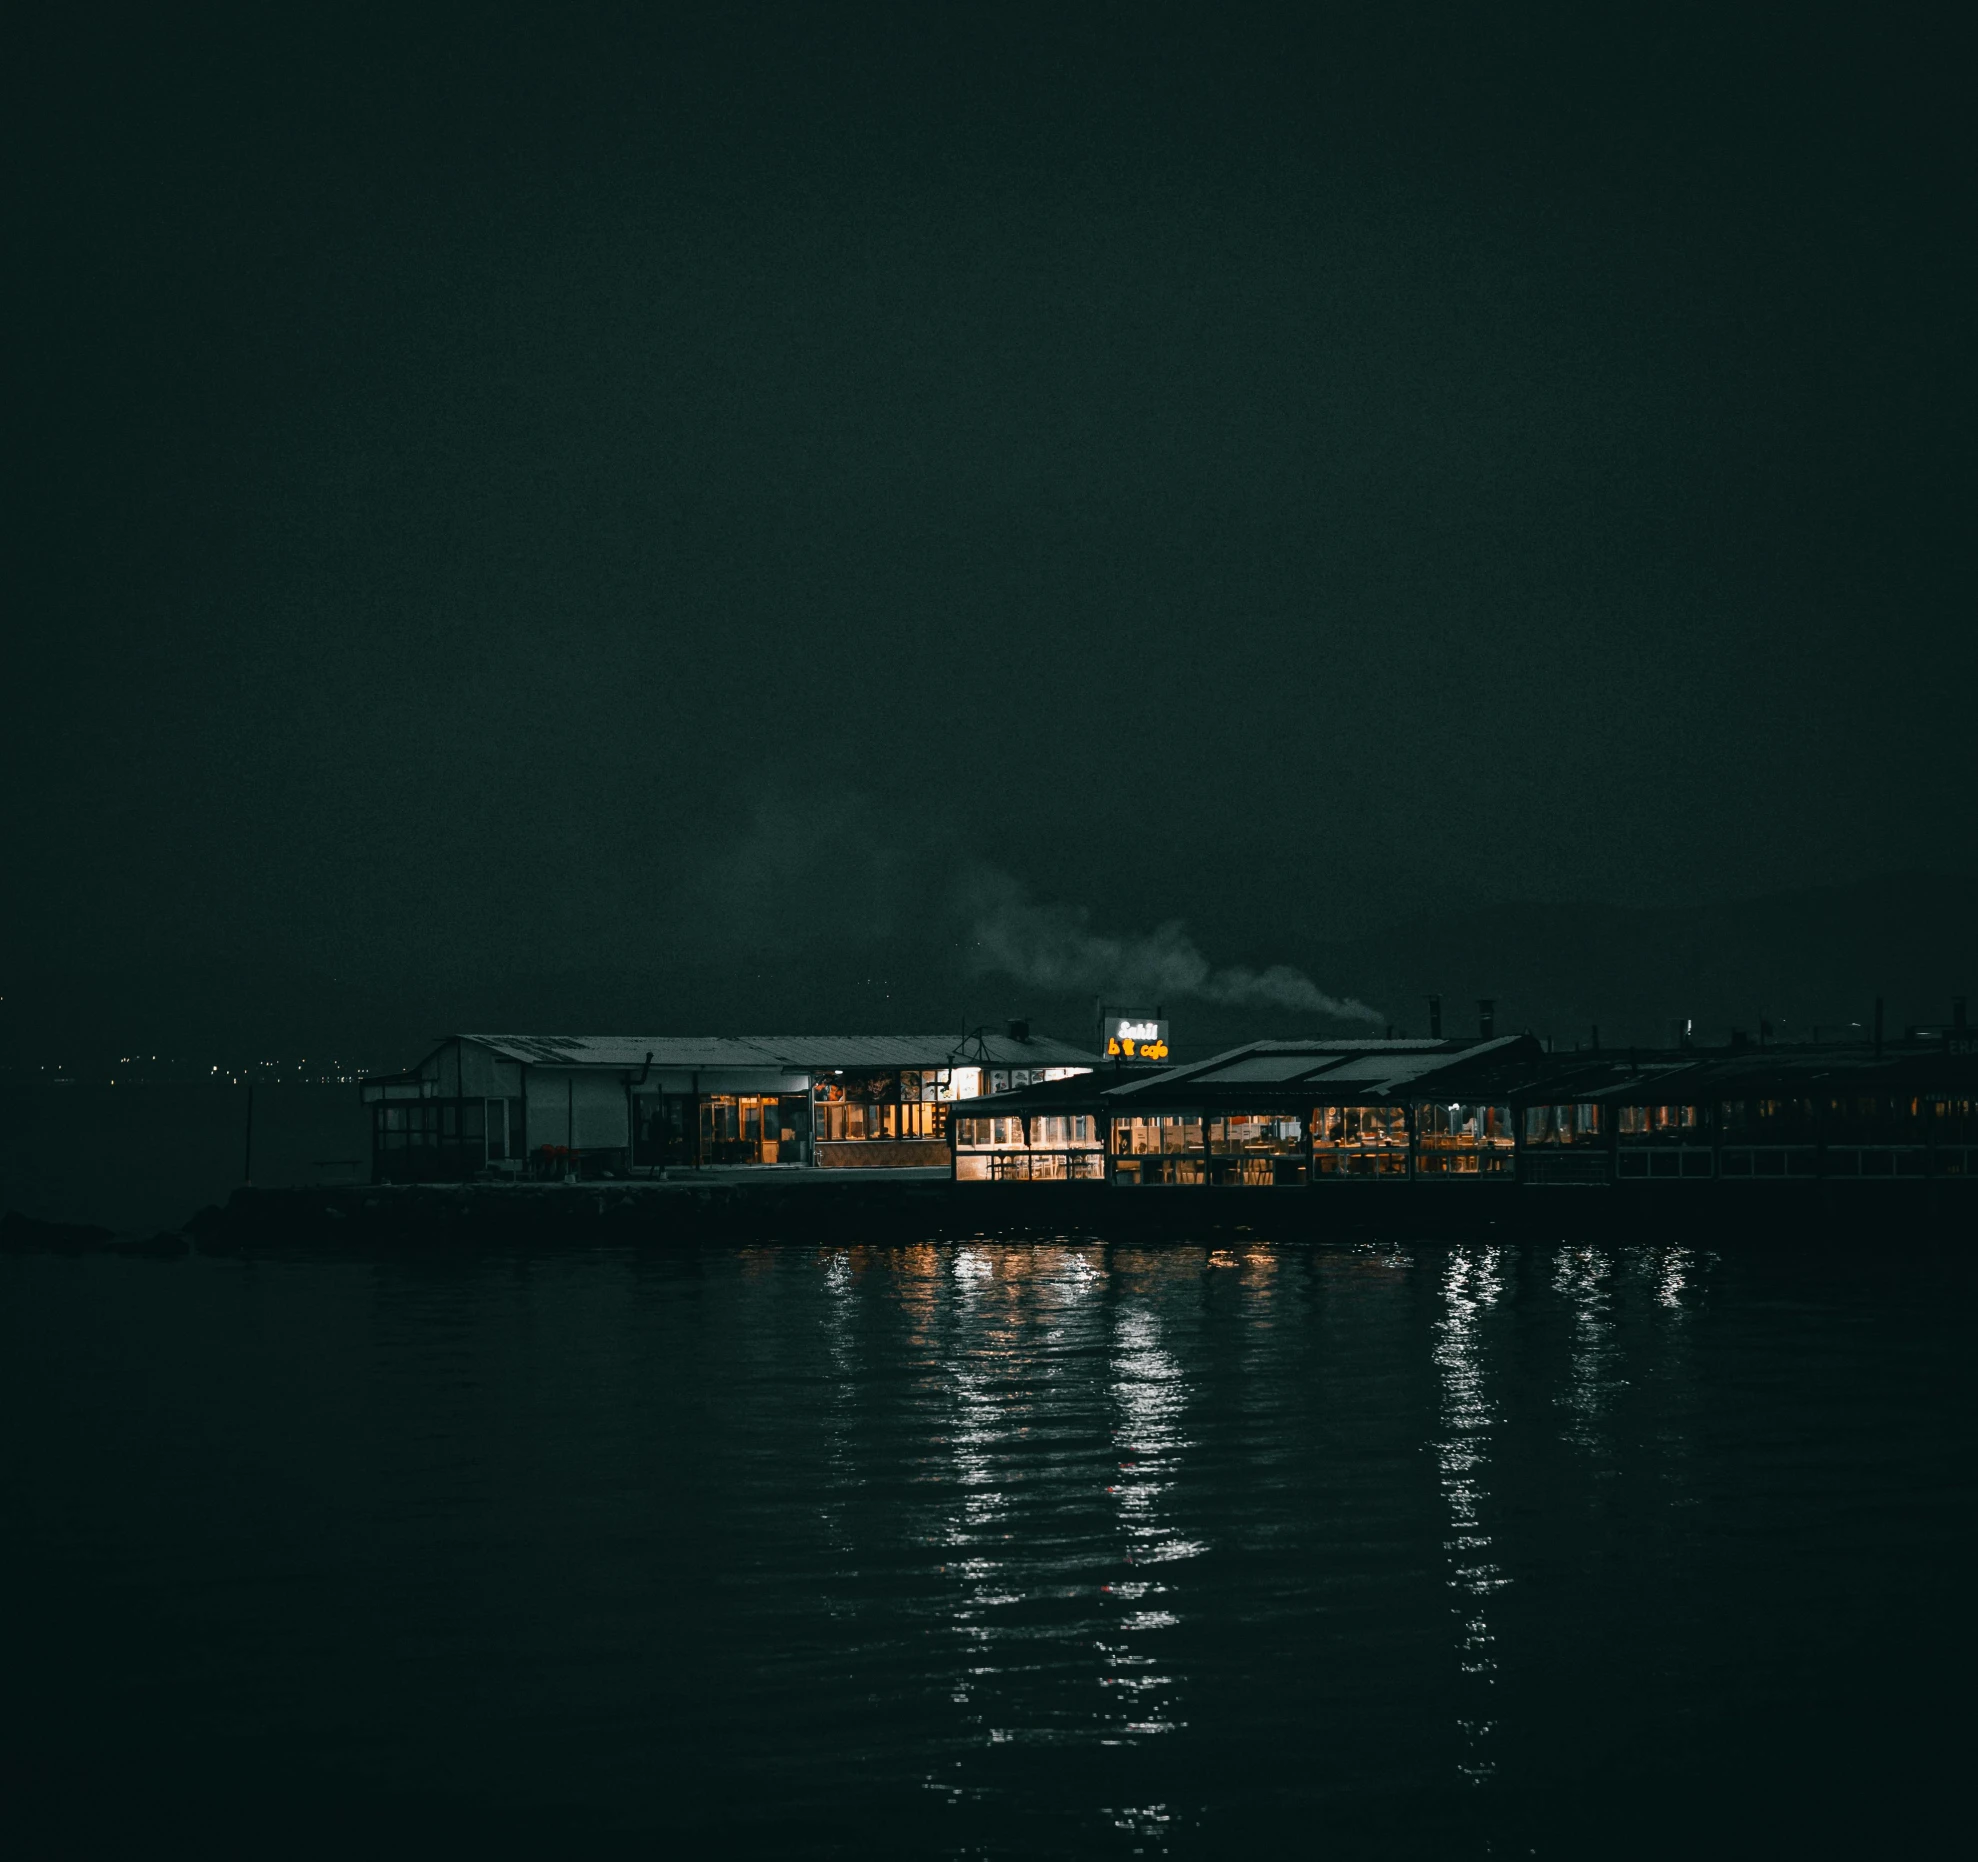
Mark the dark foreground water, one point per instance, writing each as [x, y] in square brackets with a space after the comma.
[992, 1550]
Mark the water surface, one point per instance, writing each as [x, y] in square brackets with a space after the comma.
[994, 1549]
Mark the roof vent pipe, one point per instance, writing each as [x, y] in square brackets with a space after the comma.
[1487, 1017]
[1435, 1018]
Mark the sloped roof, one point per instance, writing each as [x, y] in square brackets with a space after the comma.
[1261, 1067]
[1283, 1063]
[1384, 1072]
[788, 1053]
[1510, 1069]
[831, 1051]
[627, 1050]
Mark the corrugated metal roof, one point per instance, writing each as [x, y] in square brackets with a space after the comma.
[790, 1053]
[1373, 1044]
[1259, 1067]
[1318, 1062]
[1511, 1068]
[922, 1050]
[1385, 1072]
[624, 1050]
[1377, 1069]
[1313, 1054]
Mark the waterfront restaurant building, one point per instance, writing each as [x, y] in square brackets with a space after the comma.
[638, 1105]
[1277, 1114]
[1274, 1113]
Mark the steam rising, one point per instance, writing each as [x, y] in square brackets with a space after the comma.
[1052, 947]
[841, 871]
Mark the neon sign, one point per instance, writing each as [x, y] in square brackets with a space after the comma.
[1135, 1037]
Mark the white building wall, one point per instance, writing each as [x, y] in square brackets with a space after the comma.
[486, 1075]
[586, 1111]
[722, 1080]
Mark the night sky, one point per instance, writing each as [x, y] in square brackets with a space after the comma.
[684, 497]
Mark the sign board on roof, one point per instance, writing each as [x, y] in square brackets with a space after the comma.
[1135, 1037]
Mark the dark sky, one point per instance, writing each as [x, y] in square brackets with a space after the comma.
[499, 495]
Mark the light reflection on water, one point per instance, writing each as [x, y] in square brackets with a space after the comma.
[989, 1547]
[1035, 1338]
[1150, 1404]
[1673, 1268]
[1583, 1277]
[974, 1536]
[1472, 1282]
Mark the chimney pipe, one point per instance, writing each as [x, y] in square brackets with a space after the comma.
[1487, 1017]
[1878, 1027]
[1435, 1018]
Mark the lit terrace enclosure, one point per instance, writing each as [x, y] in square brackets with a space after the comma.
[1159, 1148]
[1229, 1148]
[1257, 1149]
[1569, 1124]
[1566, 1144]
[1359, 1141]
[1043, 1148]
[1464, 1141]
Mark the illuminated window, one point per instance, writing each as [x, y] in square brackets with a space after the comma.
[1046, 1129]
[1264, 1134]
[1359, 1127]
[1456, 1127]
[1569, 1124]
[1167, 1135]
[861, 1108]
[723, 1128]
[1665, 1122]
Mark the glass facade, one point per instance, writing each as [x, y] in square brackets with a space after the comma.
[1005, 1166]
[882, 1107]
[720, 1128]
[1457, 1140]
[1664, 1124]
[433, 1139]
[1164, 1148]
[1570, 1124]
[1256, 1148]
[1167, 1135]
[1048, 1147]
[1584, 1142]
[1359, 1141]
[889, 1116]
[1046, 1131]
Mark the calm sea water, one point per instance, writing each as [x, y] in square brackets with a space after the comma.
[987, 1549]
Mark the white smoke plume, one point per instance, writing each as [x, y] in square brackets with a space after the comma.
[1053, 947]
